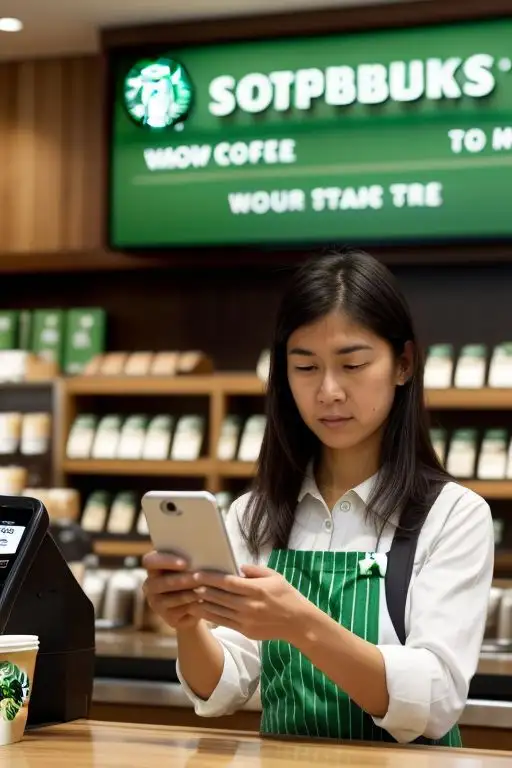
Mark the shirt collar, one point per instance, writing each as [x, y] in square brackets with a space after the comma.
[309, 486]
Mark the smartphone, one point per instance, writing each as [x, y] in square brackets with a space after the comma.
[189, 524]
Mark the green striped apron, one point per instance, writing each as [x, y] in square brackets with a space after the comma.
[297, 698]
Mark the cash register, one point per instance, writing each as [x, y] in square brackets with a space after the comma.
[39, 595]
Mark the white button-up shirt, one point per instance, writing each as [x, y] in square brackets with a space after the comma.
[428, 678]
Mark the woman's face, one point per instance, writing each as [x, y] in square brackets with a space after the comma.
[343, 379]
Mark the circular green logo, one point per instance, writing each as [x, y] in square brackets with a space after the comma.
[158, 92]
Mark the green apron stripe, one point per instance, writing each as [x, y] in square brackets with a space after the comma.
[301, 726]
[365, 635]
[339, 698]
[351, 624]
[312, 692]
[318, 678]
[330, 613]
[288, 563]
[357, 711]
[297, 668]
[348, 620]
[279, 660]
[291, 664]
[296, 689]
[303, 663]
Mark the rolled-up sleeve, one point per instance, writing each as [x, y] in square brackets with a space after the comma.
[428, 678]
[239, 680]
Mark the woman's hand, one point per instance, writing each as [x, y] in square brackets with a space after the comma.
[169, 590]
[262, 606]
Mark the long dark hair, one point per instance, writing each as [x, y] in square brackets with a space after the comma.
[410, 473]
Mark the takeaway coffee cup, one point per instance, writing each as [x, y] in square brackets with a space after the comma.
[17, 663]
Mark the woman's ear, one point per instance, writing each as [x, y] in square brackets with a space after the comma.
[405, 367]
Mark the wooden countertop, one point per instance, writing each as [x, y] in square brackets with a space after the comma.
[99, 745]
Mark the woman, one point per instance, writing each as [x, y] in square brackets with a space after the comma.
[363, 603]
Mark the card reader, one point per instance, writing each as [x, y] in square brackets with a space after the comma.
[39, 595]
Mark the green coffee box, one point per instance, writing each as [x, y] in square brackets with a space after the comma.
[85, 338]
[48, 334]
[8, 329]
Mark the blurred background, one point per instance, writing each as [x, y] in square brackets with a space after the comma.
[162, 168]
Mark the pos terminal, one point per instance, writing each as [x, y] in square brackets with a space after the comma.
[40, 596]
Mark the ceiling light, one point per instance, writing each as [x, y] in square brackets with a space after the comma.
[10, 25]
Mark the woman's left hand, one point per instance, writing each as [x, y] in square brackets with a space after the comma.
[262, 606]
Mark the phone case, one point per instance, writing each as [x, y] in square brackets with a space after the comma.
[190, 525]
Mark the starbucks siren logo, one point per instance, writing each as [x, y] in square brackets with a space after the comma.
[158, 93]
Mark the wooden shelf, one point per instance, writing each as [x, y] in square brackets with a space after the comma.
[200, 384]
[139, 385]
[121, 548]
[240, 384]
[472, 399]
[503, 562]
[236, 468]
[199, 468]
[490, 489]
[79, 260]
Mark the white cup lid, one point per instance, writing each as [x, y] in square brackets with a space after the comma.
[18, 641]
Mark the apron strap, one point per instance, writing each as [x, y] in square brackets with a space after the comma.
[400, 565]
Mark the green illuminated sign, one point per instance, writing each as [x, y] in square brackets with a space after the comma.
[385, 136]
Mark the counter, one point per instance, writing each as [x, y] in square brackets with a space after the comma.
[96, 745]
[136, 682]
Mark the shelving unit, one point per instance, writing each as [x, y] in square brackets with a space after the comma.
[232, 469]
[223, 391]
[199, 468]
[486, 399]
[218, 388]
[119, 386]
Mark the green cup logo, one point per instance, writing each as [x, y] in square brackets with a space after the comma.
[14, 689]
[158, 93]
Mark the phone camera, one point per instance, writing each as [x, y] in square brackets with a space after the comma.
[170, 508]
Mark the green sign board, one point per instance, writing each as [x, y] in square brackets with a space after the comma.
[388, 136]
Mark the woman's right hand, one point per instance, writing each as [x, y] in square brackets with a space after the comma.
[169, 590]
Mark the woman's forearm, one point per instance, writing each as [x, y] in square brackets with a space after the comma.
[201, 659]
[353, 664]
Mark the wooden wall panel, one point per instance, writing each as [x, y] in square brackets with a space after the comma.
[50, 155]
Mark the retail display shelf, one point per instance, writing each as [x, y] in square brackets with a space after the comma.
[469, 399]
[201, 384]
[199, 468]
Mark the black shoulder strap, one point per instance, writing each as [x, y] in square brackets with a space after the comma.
[399, 570]
[398, 576]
